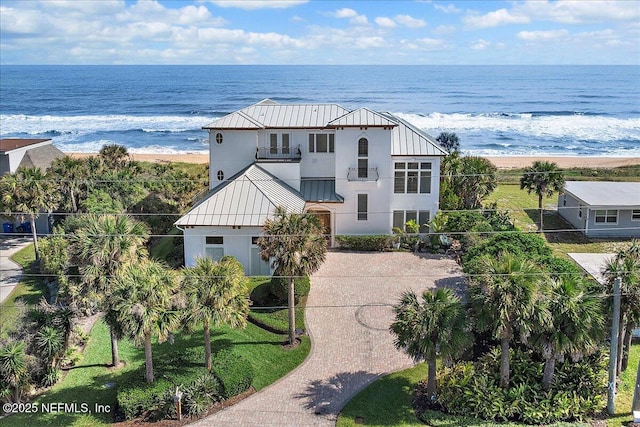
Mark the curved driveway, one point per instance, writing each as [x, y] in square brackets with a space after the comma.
[348, 316]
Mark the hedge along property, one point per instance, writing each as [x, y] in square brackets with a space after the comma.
[362, 172]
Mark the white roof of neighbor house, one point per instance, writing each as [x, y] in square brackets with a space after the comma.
[248, 199]
[408, 140]
[363, 117]
[605, 193]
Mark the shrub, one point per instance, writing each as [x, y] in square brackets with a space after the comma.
[374, 242]
[233, 371]
[279, 287]
[529, 245]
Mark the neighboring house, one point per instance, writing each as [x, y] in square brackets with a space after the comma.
[602, 208]
[362, 172]
[28, 153]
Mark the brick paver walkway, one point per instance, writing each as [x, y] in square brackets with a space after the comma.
[348, 317]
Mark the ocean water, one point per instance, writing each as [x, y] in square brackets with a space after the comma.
[495, 110]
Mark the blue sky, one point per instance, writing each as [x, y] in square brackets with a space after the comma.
[319, 32]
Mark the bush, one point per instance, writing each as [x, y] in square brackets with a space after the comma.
[279, 287]
[374, 242]
[578, 390]
[531, 246]
[234, 373]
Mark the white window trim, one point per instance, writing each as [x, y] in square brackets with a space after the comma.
[315, 143]
[606, 215]
[406, 171]
[635, 219]
[366, 212]
[404, 216]
[214, 245]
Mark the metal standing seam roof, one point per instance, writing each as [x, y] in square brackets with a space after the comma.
[363, 117]
[605, 193]
[408, 140]
[320, 190]
[247, 199]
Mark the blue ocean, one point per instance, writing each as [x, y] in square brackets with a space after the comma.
[495, 110]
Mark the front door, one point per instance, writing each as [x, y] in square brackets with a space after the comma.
[325, 221]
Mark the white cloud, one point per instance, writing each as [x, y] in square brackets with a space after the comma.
[385, 22]
[258, 4]
[543, 35]
[345, 13]
[359, 20]
[14, 21]
[575, 12]
[450, 8]
[444, 29]
[480, 45]
[369, 42]
[432, 44]
[494, 19]
[409, 21]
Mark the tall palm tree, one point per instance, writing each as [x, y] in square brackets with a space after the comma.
[216, 294]
[435, 326]
[69, 173]
[28, 192]
[576, 324]
[147, 303]
[466, 181]
[114, 156]
[506, 302]
[626, 265]
[296, 245]
[102, 245]
[543, 178]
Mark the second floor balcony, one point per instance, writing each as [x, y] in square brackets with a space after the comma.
[279, 153]
[362, 174]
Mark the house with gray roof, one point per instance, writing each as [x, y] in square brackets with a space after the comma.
[16, 152]
[602, 208]
[361, 171]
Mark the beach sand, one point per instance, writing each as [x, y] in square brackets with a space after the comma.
[503, 162]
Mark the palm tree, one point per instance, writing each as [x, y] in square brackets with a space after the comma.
[102, 245]
[296, 245]
[449, 141]
[216, 294]
[544, 179]
[114, 156]
[146, 303]
[466, 181]
[506, 302]
[626, 265]
[28, 191]
[576, 324]
[435, 326]
[69, 173]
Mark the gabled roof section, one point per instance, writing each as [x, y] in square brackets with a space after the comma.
[605, 193]
[408, 140]
[237, 120]
[10, 144]
[247, 199]
[40, 157]
[363, 117]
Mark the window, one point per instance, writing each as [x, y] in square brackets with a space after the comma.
[400, 219]
[608, 216]
[220, 175]
[273, 143]
[219, 138]
[362, 207]
[254, 240]
[285, 143]
[214, 248]
[412, 177]
[321, 142]
[363, 158]
[580, 211]
[635, 215]
[564, 200]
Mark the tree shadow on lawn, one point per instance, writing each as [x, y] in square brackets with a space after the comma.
[327, 397]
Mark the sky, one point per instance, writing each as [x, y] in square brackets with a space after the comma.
[428, 32]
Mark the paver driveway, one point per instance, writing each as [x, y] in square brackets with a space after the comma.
[348, 316]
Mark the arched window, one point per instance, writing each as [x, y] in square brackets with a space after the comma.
[219, 138]
[220, 175]
[363, 158]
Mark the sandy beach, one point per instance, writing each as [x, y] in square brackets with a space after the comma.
[504, 162]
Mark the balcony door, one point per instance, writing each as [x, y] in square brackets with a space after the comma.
[279, 145]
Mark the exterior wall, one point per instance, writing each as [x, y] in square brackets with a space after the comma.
[15, 156]
[315, 165]
[378, 192]
[237, 151]
[568, 208]
[625, 227]
[4, 164]
[237, 243]
[288, 172]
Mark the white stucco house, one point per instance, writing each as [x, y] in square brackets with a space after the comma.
[602, 208]
[361, 171]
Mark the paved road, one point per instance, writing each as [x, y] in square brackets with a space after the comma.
[348, 317]
[10, 272]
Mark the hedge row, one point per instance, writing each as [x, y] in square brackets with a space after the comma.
[374, 242]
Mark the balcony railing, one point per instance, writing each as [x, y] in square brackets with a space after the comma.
[279, 153]
[361, 174]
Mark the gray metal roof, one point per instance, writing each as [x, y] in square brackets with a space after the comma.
[605, 193]
[269, 114]
[320, 190]
[248, 199]
[363, 117]
[40, 157]
[408, 140]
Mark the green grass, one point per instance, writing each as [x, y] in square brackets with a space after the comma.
[27, 292]
[622, 173]
[624, 392]
[86, 382]
[276, 319]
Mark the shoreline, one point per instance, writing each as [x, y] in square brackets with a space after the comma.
[501, 162]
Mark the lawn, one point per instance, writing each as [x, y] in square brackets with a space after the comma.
[626, 385]
[27, 292]
[87, 382]
[274, 319]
